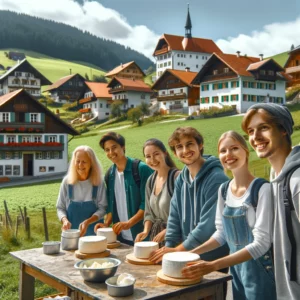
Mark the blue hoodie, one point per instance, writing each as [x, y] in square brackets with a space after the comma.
[193, 208]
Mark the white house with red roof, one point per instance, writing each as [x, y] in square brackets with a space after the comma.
[131, 92]
[176, 93]
[96, 101]
[179, 52]
[240, 81]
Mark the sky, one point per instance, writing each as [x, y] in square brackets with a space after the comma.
[252, 27]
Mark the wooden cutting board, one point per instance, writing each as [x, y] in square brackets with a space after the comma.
[116, 244]
[176, 281]
[92, 255]
[138, 261]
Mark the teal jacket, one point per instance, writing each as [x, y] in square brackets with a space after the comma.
[193, 208]
[135, 196]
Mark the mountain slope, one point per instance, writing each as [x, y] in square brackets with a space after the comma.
[63, 41]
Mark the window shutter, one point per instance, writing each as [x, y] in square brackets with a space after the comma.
[202, 88]
[12, 117]
[1, 138]
[226, 84]
[222, 98]
[238, 84]
[20, 139]
[42, 118]
[237, 97]
[27, 119]
[220, 86]
[61, 139]
[46, 138]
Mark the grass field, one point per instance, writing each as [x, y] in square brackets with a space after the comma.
[53, 68]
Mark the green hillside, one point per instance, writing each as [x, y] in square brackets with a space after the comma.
[50, 67]
[281, 58]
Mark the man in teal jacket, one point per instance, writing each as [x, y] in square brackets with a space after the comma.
[126, 181]
[191, 220]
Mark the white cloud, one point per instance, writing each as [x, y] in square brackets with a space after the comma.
[92, 16]
[273, 39]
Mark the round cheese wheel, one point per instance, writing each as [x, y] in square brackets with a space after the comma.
[172, 263]
[108, 233]
[92, 244]
[143, 249]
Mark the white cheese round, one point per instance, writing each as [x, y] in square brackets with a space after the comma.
[172, 263]
[92, 244]
[143, 249]
[108, 233]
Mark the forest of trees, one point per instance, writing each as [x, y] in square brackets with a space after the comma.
[63, 41]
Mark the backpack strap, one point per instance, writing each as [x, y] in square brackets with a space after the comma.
[254, 194]
[152, 179]
[289, 207]
[135, 172]
[224, 189]
[106, 177]
[171, 181]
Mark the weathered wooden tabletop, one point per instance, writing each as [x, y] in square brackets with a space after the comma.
[60, 267]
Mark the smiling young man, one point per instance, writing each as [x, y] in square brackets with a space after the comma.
[270, 127]
[191, 220]
[125, 189]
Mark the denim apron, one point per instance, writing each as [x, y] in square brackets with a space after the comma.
[78, 211]
[253, 279]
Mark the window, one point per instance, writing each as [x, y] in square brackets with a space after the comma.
[1, 171]
[132, 106]
[8, 155]
[262, 72]
[4, 117]
[234, 97]
[203, 57]
[215, 99]
[270, 72]
[171, 92]
[34, 118]
[215, 72]
[48, 155]
[107, 114]
[181, 90]
[169, 63]
[52, 138]
[16, 155]
[196, 56]
[191, 55]
[51, 169]
[39, 155]
[11, 138]
[8, 170]
[18, 74]
[102, 104]
[234, 84]
[56, 155]
[181, 55]
[37, 138]
[16, 170]
[178, 55]
[107, 105]
[178, 63]
[205, 100]
[226, 70]
[143, 96]
[95, 105]
[197, 66]
[165, 64]
[169, 55]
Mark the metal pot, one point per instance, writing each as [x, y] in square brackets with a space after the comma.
[115, 290]
[69, 243]
[51, 247]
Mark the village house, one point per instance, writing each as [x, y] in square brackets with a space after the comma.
[96, 101]
[16, 55]
[33, 141]
[23, 76]
[176, 93]
[239, 81]
[292, 66]
[67, 89]
[131, 92]
[129, 70]
[179, 52]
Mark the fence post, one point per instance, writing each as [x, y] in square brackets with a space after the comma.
[45, 224]
[25, 217]
[21, 214]
[17, 226]
[8, 218]
[28, 227]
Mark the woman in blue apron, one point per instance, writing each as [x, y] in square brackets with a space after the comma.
[82, 197]
[244, 221]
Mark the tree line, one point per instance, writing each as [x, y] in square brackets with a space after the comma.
[63, 41]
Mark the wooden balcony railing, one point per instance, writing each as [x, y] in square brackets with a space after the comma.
[170, 97]
[21, 127]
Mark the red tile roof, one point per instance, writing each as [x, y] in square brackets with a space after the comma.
[132, 84]
[257, 65]
[193, 45]
[120, 68]
[59, 82]
[7, 97]
[99, 89]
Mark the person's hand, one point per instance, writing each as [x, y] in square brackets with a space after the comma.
[118, 227]
[156, 256]
[66, 224]
[160, 237]
[83, 227]
[197, 269]
[99, 225]
[141, 236]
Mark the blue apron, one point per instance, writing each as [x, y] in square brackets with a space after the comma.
[253, 279]
[78, 211]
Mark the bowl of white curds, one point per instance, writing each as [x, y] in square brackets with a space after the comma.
[121, 285]
[97, 269]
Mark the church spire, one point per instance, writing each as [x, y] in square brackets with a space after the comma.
[188, 25]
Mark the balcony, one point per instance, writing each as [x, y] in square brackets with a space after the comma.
[219, 76]
[39, 146]
[161, 51]
[292, 69]
[13, 127]
[88, 99]
[116, 90]
[84, 110]
[170, 97]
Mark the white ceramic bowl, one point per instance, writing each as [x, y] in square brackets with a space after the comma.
[92, 244]
[143, 249]
[174, 262]
[108, 233]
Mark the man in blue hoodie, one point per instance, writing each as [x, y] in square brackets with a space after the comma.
[191, 220]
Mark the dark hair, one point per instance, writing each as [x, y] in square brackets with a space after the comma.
[185, 132]
[159, 144]
[112, 136]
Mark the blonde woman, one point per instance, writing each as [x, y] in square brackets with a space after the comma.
[82, 197]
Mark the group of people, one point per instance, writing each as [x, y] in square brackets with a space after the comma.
[244, 223]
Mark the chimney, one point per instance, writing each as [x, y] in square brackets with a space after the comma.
[187, 69]
[261, 56]
[121, 65]
[238, 53]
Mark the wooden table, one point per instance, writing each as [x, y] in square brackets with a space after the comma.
[58, 271]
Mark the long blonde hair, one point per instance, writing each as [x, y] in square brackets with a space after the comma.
[95, 175]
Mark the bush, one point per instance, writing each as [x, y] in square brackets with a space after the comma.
[135, 114]
[216, 112]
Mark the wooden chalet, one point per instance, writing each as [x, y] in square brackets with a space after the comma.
[292, 67]
[129, 70]
[33, 141]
